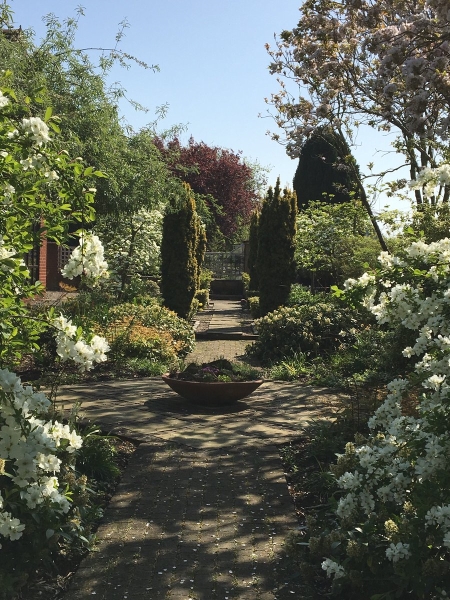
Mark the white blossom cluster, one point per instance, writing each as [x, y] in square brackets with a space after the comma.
[31, 447]
[404, 452]
[87, 259]
[70, 347]
[7, 261]
[3, 100]
[135, 248]
[429, 179]
[37, 129]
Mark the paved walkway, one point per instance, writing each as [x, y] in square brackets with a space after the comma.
[203, 510]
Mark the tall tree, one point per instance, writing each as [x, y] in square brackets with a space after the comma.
[381, 63]
[323, 173]
[276, 247]
[219, 174]
[253, 251]
[76, 88]
[182, 247]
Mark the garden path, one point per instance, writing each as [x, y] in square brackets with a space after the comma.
[203, 510]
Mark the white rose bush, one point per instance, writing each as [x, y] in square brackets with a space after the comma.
[41, 190]
[391, 533]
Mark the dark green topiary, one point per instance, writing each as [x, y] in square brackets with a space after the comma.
[183, 245]
[325, 171]
[253, 252]
[275, 262]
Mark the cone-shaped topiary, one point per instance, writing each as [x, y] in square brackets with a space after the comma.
[253, 251]
[183, 243]
[324, 173]
[275, 262]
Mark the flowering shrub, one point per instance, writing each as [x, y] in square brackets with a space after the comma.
[87, 260]
[70, 345]
[41, 187]
[32, 450]
[310, 329]
[392, 534]
[132, 245]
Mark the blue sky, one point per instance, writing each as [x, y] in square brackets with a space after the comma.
[213, 66]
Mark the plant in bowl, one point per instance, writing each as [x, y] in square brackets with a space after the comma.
[216, 383]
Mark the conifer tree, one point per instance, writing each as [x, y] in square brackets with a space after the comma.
[253, 251]
[324, 173]
[182, 249]
[276, 234]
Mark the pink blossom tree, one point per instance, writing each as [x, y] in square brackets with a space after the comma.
[382, 63]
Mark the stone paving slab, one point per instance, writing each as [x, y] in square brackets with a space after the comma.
[209, 528]
[203, 510]
[148, 409]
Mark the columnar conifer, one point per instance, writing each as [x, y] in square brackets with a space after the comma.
[276, 233]
[182, 249]
[253, 251]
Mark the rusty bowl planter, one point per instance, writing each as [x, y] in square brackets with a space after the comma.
[212, 393]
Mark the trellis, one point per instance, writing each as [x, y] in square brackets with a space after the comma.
[225, 265]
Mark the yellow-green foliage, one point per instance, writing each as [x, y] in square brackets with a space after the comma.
[253, 304]
[159, 318]
[130, 338]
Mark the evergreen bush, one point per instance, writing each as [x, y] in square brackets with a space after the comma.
[324, 172]
[275, 259]
[253, 252]
[182, 250]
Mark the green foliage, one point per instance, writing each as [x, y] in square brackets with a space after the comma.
[129, 339]
[95, 458]
[333, 243]
[203, 297]
[275, 260]
[182, 251]
[51, 193]
[293, 367]
[253, 304]
[159, 318]
[55, 73]
[205, 278]
[218, 370]
[246, 283]
[308, 329]
[253, 252]
[431, 223]
[324, 172]
[141, 291]
[300, 294]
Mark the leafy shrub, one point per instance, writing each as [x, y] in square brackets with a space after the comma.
[300, 294]
[195, 307]
[291, 368]
[162, 319]
[308, 329]
[141, 291]
[91, 306]
[253, 304]
[128, 338]
[203, 298]
[95, 458]
[205, 278]
[246, 283]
